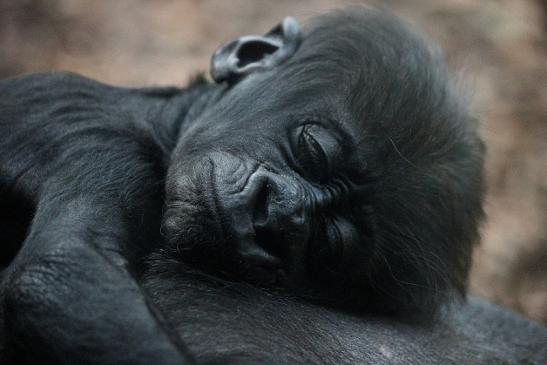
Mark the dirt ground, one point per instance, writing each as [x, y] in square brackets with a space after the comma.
[499, 46]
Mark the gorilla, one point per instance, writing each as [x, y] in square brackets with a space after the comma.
[351, 171]
[322, 192]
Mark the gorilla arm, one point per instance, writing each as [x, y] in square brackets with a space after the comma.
[94, 182]
[262, 327]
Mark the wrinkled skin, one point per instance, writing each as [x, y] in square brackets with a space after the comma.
[345, 171]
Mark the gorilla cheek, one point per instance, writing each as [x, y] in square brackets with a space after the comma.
[190, 224]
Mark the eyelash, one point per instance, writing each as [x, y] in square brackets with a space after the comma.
[312, 156]
[329, 233]
[333, 232]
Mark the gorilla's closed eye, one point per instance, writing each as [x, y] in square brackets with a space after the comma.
[310, 153]
[333, 237]
[333, 242]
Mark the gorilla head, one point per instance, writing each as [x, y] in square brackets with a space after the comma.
[339, 163]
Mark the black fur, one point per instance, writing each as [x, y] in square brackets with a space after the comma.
[388, 226]
[236, 323]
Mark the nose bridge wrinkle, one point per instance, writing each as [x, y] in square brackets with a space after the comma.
[328, 196]
[248, 177]
[320, 198]
[232, 172]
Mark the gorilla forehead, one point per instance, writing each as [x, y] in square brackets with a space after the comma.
[361, 68]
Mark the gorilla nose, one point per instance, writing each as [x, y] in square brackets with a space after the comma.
[273, 206]
[277, 214]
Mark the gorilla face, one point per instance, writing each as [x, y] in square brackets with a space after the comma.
[352, 169]
[270, 177]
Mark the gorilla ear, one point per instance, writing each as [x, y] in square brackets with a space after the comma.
[252, 53]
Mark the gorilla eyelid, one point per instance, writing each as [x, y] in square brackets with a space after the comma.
[334, 238]
[310, 153]
[317, 149]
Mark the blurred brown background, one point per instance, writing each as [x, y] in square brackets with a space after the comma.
[499, 45]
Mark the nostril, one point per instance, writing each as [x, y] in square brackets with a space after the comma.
[262, 202]
[265, 226]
